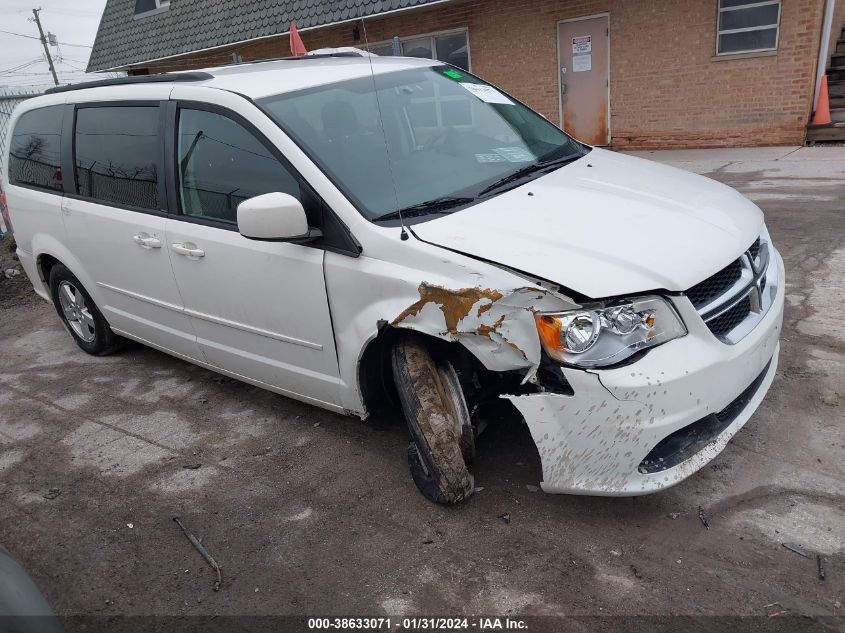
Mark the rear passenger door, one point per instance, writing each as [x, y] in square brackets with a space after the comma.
[259, 308]
[115, 217]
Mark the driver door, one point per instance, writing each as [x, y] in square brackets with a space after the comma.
[259, 308]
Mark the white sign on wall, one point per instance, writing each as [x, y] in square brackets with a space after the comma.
[582, 44]
[582, 63]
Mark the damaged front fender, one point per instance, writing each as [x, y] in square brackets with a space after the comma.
[496, 326]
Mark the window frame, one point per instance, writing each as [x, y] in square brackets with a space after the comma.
[749, 4]
[172, 145]
[160, 7]
[337, 237]
[62, 143]
[432, 35]
[69, 156]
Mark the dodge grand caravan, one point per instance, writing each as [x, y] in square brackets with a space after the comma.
[337, 228]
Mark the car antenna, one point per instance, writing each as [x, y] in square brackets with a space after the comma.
[403, 235]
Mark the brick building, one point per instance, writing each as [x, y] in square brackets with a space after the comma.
[626, 73]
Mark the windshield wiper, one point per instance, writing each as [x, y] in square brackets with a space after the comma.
[522, 172]
[438, 205]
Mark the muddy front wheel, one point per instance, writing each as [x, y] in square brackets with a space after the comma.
[441, 435]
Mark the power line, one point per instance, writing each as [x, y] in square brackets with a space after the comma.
[21, 67]
[32, 37]
[29, 37]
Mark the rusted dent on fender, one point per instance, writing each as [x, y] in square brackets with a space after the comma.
[496, 325]
[455, 304]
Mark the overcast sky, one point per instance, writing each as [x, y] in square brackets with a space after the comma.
[72, 22]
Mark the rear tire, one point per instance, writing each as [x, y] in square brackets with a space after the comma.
[80, 315]
[437, 419]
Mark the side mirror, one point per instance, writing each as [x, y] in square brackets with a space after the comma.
[274, 217]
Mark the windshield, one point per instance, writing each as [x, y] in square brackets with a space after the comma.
[401, 140]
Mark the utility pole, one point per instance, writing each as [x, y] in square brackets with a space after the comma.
[46, 48]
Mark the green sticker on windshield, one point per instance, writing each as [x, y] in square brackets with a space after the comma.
[453, 74]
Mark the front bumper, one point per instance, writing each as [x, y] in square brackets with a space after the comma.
[595, 441]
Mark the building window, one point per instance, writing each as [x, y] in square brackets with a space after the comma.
[149, 7]
[117, 155]
[451, 47]
[747, 27]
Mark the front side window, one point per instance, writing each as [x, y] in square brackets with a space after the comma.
[35, 149]
[746, 26]
[452, 48]
[117, 155]
[221, 164]
[404, 138]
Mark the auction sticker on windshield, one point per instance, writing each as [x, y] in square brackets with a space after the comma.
[488, 94]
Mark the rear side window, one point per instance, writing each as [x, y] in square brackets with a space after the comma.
[35, 149]
[117, 155]
[221, 164]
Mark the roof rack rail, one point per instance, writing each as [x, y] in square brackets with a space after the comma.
[134, 79]
[290, 58]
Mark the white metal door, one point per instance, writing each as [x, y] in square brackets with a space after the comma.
[123, 252]
[259, 309]
[584, 53]
[115, 224]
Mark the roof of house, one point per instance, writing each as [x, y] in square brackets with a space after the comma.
[193, 25]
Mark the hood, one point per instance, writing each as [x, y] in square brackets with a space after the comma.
[607, 224]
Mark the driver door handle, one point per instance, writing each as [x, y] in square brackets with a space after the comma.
[188, 249]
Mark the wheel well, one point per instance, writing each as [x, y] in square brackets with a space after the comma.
[45, 265]
[375, 371]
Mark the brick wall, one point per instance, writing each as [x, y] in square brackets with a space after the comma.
[666, 89]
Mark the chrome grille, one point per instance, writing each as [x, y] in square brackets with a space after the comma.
[715, 286]
[754, 250]
[733, 301]
[727, 321]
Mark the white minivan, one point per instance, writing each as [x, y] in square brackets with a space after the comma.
[339, 228]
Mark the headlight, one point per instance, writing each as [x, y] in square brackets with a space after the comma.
[599, 335]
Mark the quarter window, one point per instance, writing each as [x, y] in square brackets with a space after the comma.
[221, 164]
[35, 149]
[746, 26]
[452, 48]
[117, 155]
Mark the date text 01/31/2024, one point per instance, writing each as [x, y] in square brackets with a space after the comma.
[417, 624]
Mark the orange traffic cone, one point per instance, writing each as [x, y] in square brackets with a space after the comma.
[822, 115]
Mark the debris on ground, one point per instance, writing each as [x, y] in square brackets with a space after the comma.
[822, 566]
[428, 541]
[52, 493]
[703, 517]
[532, 488]
[130, 525]
[777, 614]
[192, 466]
[11, 272]
[506, 517]
[673, 515]
[203, 552]
[795, 547]
[636, 572]
[479, 489]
